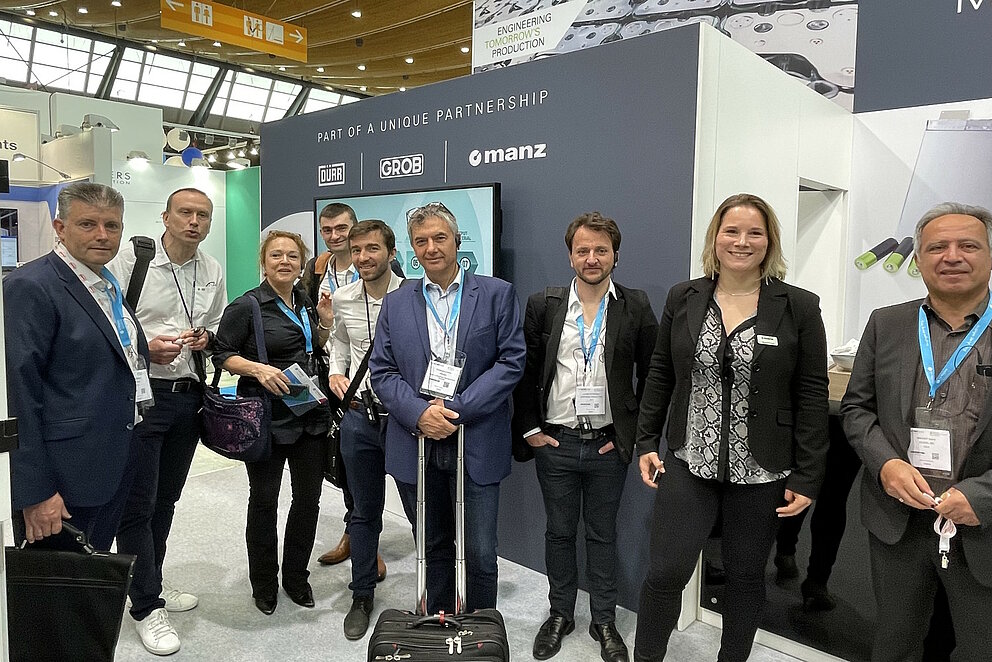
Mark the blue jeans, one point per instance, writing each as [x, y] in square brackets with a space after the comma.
[481, 511]
[362, 447]
[575, 478]
[166, 442]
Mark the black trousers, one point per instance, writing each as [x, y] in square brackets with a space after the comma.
[265, 479]
[905, 577]
[685, 510]
[166, 442]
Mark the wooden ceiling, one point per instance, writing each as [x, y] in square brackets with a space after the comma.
[388, 31]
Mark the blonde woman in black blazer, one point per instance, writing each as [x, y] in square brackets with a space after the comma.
[739, 374]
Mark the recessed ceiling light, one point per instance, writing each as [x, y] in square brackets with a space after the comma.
[152, 48]
[83, 10]
[212, 158]
[181, 44]
[216, 44]
[402, 89]
[282, 68]
[361, 67]
[53, 13]
[357, 13]
[465, 49]
[409, 60]
[29, 12]
[115, 3]
[320, 70]
[362, 88]
[249, 70]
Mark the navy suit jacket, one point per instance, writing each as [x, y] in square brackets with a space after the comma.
[69, 385]
[490, 335]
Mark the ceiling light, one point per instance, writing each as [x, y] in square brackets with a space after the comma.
[115, 3]
[238, 164]
[199, 163]
[154, 41]
[151, 48]
[249, 70]
[83, 10]
[362, 88]
[465, 49]
[409, 60]
[216, 44]
[91, 120]
[231, 154]
[282, 68]
[402, 89]
[53, 13]
[320, 70]
[18, 157]
[182, 43]
[212, 158]
[241, 153]
[254, 150]
[361, 67]
[30, 12]
[357, 13]
[137, 156]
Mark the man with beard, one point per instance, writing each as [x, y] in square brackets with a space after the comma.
[577, 408]
[363, 428]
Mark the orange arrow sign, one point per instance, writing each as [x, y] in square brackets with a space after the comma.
[236, 27]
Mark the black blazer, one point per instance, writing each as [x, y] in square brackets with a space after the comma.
[787, 405]
[630, 334]
[877, 412]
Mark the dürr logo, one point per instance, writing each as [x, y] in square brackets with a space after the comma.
[330, 174]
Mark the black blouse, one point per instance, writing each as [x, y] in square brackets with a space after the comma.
[285, 345]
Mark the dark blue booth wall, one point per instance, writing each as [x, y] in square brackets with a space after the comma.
[618, 125]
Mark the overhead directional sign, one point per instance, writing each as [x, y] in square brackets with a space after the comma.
[236, 27]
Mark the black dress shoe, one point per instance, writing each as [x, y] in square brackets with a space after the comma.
[816, 597]
[356, 623]
[612, 648]
[303, 597]
[785, 565]
[267, 605]
[547, 643]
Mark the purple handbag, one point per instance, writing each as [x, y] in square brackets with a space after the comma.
[237, 426]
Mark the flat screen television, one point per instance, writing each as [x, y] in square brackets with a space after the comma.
[476, 209]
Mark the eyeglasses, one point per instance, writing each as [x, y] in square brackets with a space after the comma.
[429, 209]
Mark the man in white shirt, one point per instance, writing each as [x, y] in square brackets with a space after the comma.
[76, 374]
[363, 428]
[179, 308]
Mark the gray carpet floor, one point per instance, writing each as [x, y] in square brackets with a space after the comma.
[207, 557]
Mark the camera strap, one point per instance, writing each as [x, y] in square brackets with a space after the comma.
[356, 380]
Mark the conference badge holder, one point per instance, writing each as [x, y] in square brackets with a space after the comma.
[442, 378]
[930, 444]
[142, 385]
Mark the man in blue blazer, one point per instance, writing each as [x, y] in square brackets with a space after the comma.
[449, 350]
[77, 374]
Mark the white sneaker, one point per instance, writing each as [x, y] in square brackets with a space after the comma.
[157, 634]
[176, 600]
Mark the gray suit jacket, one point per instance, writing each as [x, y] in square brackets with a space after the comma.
[877, 413]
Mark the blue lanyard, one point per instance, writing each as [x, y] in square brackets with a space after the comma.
[597, 330]
[117, 306]
[926, 349]
[304, 324]
[455, 308]
[332, 280]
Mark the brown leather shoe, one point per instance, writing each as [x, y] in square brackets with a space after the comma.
[381, 568]
[340, 553]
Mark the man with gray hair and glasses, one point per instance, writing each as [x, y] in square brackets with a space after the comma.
[917, 412]
[449, 350]
[77, 375]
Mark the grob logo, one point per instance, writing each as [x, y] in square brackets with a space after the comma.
[410, 165]
[503, 154]
[330, 174]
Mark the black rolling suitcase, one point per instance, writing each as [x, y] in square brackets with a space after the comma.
[415, 637]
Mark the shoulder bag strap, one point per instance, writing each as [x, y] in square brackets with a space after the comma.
[144, 252]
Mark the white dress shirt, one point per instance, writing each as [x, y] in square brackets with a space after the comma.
[442, 343]
[570, 365]
[198, 286]
[350, 340]
[333, 279]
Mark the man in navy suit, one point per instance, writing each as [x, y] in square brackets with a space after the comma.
[449, 350]
[77, 375]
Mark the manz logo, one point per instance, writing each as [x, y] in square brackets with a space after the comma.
[502, 154]
[975, 4]
[331, 174]
[410, 165]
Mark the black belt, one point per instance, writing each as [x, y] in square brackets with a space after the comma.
[357, 405]
[578, 433]
[183, 385]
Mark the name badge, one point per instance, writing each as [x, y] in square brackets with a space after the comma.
[441, 380]
[930, 450]
[590, 400]
[143, 388]
[771, 341]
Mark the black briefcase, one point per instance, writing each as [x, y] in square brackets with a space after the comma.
[414, 637]
[65, 604]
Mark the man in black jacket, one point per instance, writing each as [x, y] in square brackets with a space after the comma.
[577, 409]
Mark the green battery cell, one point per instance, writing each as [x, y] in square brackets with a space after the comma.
[912, 269]
[872, 256]
[899, 255]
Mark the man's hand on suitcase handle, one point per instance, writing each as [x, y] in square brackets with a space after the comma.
[434, 422]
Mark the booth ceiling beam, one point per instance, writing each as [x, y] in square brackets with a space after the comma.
[202, 111]
[298, 103]
[107, 82]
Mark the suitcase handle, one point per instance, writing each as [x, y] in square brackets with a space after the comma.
[436, 619]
